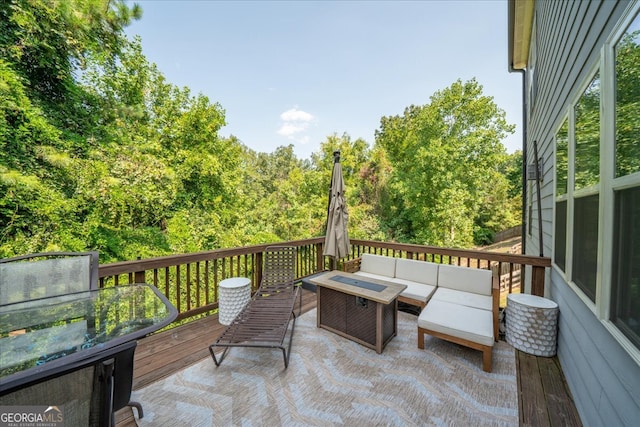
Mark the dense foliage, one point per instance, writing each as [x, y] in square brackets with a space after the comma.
[99, 151]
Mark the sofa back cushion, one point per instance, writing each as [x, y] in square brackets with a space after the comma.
[417, 271]
[465, 279]
[378, 264]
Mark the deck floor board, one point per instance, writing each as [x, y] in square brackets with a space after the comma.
[543, 395]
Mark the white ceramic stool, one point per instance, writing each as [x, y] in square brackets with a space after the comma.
[234, 293]
[532, 324]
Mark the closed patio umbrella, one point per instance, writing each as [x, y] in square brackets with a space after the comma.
[336, 242]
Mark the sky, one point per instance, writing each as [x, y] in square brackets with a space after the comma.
[296, 72]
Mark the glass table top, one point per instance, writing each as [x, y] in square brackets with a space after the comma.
[60, 329]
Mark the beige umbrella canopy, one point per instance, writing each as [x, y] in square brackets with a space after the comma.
[336, 242]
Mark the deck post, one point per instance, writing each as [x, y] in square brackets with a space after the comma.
[258, 271]
[319, 257]
[537, 281]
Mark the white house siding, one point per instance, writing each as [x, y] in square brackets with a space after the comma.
[569, 36]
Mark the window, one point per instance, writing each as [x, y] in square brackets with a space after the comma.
[627, 58]
[587, 136]
[625, 272]
[597, 187]
[625, 303]
[560, 252]
[562, 156]
[577, 191]
[585, 192]
[585, 245]
[560, 234]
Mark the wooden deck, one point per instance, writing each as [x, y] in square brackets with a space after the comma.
[543, 395]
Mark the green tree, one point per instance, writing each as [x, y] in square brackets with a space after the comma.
[446, 182]
[361, 188]
[169, 169]
[49, 42]
[99, 151]
[281, 197]
[44, 114]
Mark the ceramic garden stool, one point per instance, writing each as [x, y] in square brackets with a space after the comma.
[532, 324]
[234, 294]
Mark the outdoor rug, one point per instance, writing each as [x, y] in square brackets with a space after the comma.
[334, 381]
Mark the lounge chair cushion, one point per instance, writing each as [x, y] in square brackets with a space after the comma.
[465, 279]
[378, 264]
[457, 320]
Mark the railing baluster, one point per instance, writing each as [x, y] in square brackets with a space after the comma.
[206, 282]
[178, 292]
[166, 283]
[510, 277]
[199, 302]
[247, 262]
[188, 287]
[215, 279]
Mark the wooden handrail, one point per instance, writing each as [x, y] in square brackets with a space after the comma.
[190, 281]
[452, 252]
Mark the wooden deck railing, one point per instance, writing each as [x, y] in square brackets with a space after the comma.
[190, 281]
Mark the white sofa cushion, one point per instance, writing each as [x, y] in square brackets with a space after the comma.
[378, 264]
[465, 279]
[469, 299]
[418, 291]
[460, 321]
[417, 271]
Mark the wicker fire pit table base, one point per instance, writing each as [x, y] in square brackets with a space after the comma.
[359, 308]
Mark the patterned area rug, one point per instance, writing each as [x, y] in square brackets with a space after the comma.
[334, 381]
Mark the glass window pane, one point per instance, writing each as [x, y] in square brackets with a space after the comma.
[625, 300]
[627, 53]
[585, 244]
[560, 244]
[587, 119]
[562, 155]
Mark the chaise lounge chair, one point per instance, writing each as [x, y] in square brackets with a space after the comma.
[265, 319]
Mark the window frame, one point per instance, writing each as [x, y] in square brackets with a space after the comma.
[563, 197]
[608, 184]
[572, 194]
[612, 183]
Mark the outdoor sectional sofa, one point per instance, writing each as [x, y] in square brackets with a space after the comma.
[421, 278]
[459, 304]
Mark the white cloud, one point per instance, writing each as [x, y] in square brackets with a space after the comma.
[290, 129]
[294, 123]
[295, 115]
